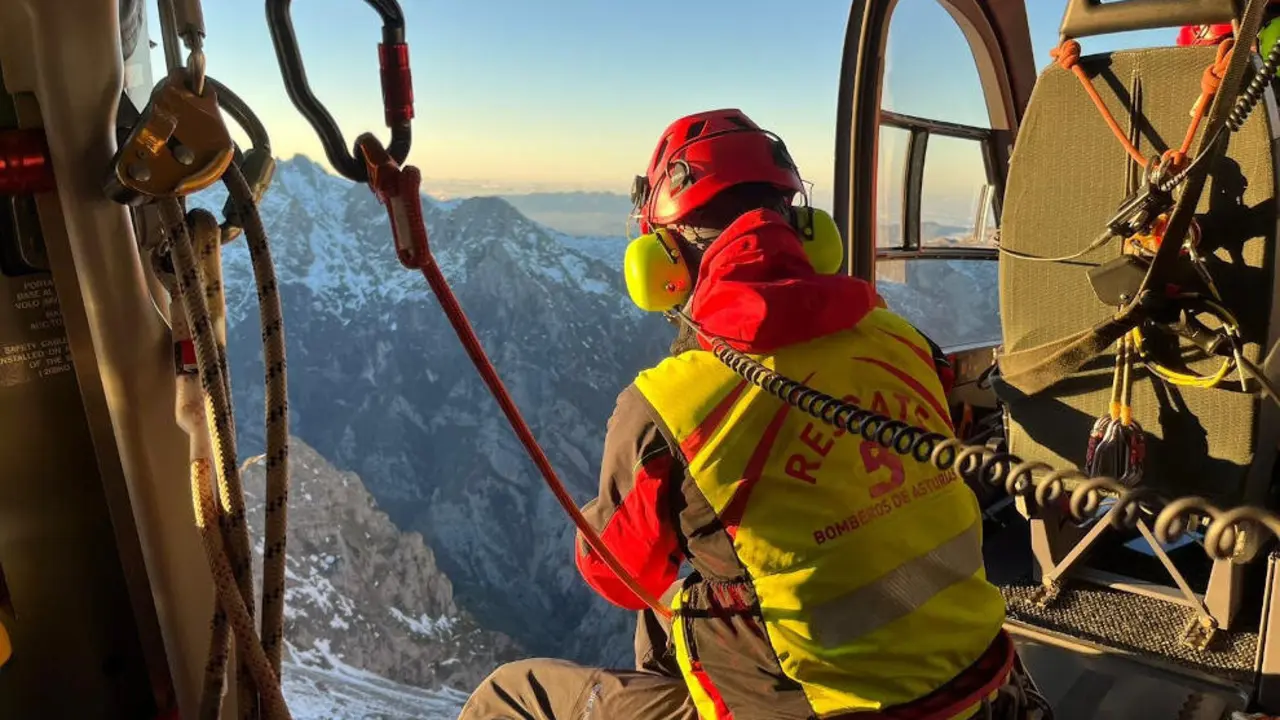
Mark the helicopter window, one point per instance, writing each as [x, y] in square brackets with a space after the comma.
[891, 182]
[956, 195]
[936, 198]
[941, 81]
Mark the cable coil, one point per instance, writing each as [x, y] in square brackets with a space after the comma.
[1254, 91]
[1006, 470]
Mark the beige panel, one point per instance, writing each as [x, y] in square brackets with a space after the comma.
[66, 54]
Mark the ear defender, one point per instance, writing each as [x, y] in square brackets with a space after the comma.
[657, 276]
[820, 238]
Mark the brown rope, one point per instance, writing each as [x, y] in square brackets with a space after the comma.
[199, 316]
[207, 244]
[218, 399]
[192, 417]
[271, 317]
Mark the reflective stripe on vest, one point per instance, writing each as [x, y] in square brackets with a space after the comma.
[867, 564]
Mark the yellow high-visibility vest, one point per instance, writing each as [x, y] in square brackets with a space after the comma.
[867, 564]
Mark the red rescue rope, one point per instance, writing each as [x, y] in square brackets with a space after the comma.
[399, 190]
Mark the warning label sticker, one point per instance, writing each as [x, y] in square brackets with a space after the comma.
[44, 351]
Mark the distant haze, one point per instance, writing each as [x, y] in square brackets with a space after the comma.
[597, 214]
[577, 213]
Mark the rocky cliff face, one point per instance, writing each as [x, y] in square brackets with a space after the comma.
[380, 386]
[361, 593]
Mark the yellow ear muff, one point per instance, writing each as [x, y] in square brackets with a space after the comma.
[820, 237]
[657, 276]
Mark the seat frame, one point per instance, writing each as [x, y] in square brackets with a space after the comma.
[1059, 547]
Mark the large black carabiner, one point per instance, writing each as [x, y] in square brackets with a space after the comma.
[397, 86]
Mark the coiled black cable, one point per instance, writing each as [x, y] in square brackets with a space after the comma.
[1004, 470]
[1252, 94]
[902, 438]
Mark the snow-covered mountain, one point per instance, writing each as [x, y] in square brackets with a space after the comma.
[578, 213]
[347, 693]
[380, 386]
[939, 297]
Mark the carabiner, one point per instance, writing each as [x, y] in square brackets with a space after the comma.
[397, 87]
[257, 164]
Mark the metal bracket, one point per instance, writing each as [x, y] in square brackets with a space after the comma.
[1048, 591]
[1200, 632]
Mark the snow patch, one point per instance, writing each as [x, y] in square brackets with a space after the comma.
[338, 690]
[424, 624]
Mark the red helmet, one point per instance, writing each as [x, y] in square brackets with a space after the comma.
[700, 156]
[1214, 34]
[1204, 34]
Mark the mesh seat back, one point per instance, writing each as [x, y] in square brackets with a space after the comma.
[1067, 177]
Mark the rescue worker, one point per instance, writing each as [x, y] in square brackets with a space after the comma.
[831, 577]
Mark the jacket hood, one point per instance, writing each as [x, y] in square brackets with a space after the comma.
[758, 291]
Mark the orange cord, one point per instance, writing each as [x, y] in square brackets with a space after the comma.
[966, 421]
[1067, 56]
[398, 189]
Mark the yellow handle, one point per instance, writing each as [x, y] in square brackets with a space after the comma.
[6, 650]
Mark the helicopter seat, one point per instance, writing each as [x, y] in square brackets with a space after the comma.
[1068, 175]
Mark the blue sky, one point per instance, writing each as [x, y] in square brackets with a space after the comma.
[513, 95]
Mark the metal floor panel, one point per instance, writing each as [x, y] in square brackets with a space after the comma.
[1084, 684]
[1134, 624]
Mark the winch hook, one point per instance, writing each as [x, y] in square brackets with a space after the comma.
[397, 87]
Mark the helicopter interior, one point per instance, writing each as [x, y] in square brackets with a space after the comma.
[1088, 581]
[104, 583]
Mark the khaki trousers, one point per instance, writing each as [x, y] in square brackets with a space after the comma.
[547, 689]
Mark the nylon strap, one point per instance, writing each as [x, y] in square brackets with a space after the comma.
[1038, 368]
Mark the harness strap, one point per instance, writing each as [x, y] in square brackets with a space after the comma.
[1037, 368]
[978, 682]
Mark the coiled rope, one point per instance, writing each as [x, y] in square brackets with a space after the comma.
[205, 413]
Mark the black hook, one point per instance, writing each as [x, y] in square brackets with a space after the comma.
[397, 86]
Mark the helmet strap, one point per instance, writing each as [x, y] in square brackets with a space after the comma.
[699, 237]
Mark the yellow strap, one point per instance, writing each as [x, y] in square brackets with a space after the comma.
[1184, 379]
